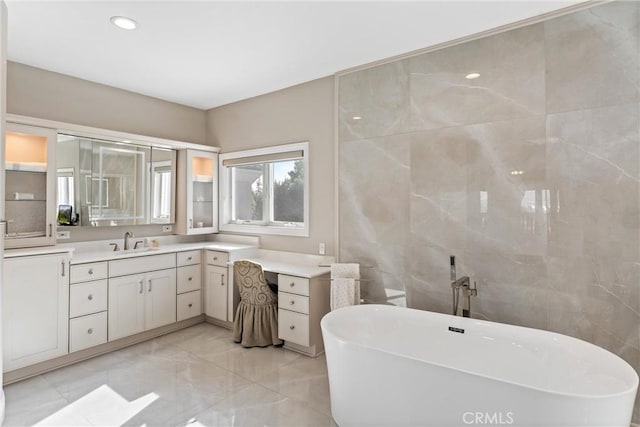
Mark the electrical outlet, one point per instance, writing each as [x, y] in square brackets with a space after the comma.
[321, 248]
[167, 228]
[63, 235]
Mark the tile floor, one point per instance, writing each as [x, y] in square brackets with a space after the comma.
[196, 377]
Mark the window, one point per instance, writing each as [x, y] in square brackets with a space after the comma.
[266, 191]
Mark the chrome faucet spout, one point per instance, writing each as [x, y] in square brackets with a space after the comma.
[463, 283]
[127, 236]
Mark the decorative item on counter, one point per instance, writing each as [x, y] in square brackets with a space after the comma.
[154, 243]
[65, 214]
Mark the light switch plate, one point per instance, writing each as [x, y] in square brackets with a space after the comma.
[60, 235]
[321, 248]
[167, 228]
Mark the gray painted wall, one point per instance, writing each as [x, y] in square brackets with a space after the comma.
[44, 94]
[299, 113]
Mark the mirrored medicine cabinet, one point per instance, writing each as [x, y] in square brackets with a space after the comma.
[109, 183]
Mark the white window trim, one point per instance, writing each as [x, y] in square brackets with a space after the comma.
[253, 228]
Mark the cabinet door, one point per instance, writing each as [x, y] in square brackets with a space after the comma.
[160, 298]
[197, 211]
[215, 303]
[30, 192]
[35, 309]
[126, 305]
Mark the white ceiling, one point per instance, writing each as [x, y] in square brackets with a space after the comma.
[210, 53]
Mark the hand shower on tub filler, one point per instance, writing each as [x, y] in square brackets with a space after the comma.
[467, 291]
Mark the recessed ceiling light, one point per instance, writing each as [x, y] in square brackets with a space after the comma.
[472, 76]
[356, 118]
[123, 22]
[517, 172]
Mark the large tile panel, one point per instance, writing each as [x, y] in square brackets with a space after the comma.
[374, 194]
[374, 102]
[511, 82]
[592, 57]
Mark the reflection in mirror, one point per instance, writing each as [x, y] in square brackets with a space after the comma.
[66, 187]
[113, 183]
[163, 185]
[118, 184]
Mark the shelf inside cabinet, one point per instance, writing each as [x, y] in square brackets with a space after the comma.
[26, 167]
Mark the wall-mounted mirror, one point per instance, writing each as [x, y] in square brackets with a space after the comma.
[106, 183]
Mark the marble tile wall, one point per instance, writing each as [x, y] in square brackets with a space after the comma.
[529, 174]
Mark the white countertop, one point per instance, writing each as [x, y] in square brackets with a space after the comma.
[290, 268]
[83, 256]
[289, 263]
[40, 250]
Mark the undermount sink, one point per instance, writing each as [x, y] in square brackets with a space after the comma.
[133, 251]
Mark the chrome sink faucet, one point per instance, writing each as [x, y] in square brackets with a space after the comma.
[463, 283]
[127, 236]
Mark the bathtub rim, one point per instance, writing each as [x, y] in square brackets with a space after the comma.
[489, 377]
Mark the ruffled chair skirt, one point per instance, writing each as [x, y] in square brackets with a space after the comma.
[259, 323]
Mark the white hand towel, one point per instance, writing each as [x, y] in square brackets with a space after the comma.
[342, 292]
[345, 285]
[345, 271]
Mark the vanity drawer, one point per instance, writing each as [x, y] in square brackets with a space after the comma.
[293, 284]
[87, 298]
[86, 272]
[293, 302]
[188, 305]
[87, 331]
[188, 258]
[217, 258]
[293, 327]
[189, 278]
[141, 264]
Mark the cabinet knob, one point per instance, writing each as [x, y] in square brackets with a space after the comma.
[190, 278]
[188, 258]
[292, 302]
[91, 271]
[215, 258]
[292, 327]
[90, 297]
[190, 305]
[90, 331]
[292, 284]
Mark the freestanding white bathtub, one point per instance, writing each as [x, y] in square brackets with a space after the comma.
[391, 366]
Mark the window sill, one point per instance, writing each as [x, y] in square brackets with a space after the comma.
[266, 229]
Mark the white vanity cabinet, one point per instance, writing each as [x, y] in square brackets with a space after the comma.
[217, 286]
[301, 304]
[35, 309]
[189, 277]
[30, 192]
[143, 300]
[197, 207]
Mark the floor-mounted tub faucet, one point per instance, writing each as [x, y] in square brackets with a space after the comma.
[463, 283]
